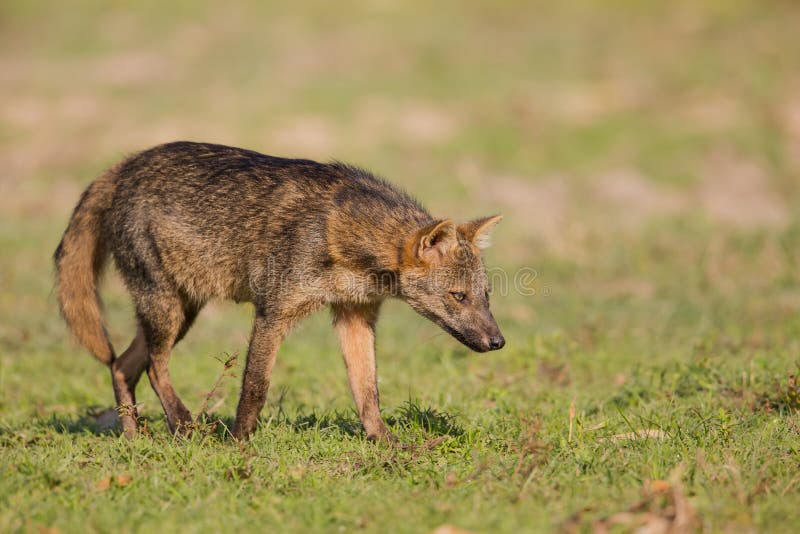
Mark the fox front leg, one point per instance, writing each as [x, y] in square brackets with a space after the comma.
[264, 343]
[355, 325]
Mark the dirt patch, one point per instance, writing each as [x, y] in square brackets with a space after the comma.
[625, 287]
[132, 68]
[542, 206]
[81, 108]
[632, 199]
[309, 136]
[587, 103]
[788, 116]
[23, 111]
[424, 123]
[414, 122]
[711, 112]
[560, 213]
[737, 192]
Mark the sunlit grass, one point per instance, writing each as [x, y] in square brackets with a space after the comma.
[646, 159]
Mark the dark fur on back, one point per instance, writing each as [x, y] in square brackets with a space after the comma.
[226, 222]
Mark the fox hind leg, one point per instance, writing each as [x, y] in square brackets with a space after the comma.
[162, 316]
[125, 373]
[128, 368]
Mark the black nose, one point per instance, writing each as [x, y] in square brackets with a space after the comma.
[496, 342]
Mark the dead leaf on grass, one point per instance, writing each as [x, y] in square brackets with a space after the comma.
[663, 509]
[449, 529]
[297, 472]
[641, 434]
[105, 483]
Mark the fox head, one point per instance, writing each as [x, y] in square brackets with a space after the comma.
[443, 278]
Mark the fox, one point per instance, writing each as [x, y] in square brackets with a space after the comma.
[188, 222]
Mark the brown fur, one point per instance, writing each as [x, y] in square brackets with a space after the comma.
[79, 260]
[188, 222]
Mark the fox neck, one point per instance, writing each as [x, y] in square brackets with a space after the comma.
[370, 254]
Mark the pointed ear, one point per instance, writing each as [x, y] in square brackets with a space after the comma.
[432, 242]
[478, 231]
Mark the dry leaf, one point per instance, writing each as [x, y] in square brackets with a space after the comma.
[297, 471]
[571, 418]
[124, 479]
[450, 529]
[686, 519]
[658, 486]
[103, 484]
[641, 434]
[663, 509]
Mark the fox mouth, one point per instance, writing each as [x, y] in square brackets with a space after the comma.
[472, 344]
[469, 343]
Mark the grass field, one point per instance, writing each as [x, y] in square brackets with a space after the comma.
[647, 159]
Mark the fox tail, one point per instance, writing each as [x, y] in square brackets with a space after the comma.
[79, 262]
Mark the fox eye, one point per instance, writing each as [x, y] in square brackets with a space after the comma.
[458, 295]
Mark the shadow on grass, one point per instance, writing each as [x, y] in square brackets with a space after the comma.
[63, 424]
[436, 422]
[100, 422]
[410, 417]
[344, 423]
[104, 422]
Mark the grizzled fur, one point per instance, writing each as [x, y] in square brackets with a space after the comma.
[189, 222]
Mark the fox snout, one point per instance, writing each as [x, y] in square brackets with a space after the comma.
[489, 343]
[489, 339]
[479, 333]
[496, 342]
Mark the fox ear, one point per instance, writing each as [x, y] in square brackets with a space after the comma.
[432, 242]
[478, 232]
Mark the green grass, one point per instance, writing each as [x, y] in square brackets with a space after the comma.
[647, 159]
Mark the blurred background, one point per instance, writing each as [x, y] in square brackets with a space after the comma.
[646, 156]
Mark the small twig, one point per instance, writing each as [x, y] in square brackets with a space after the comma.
[228, 363]
[527, 450]
[571, 418]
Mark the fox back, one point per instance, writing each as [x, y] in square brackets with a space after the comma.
[227, 222]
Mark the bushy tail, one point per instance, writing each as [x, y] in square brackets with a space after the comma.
[79, 259]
